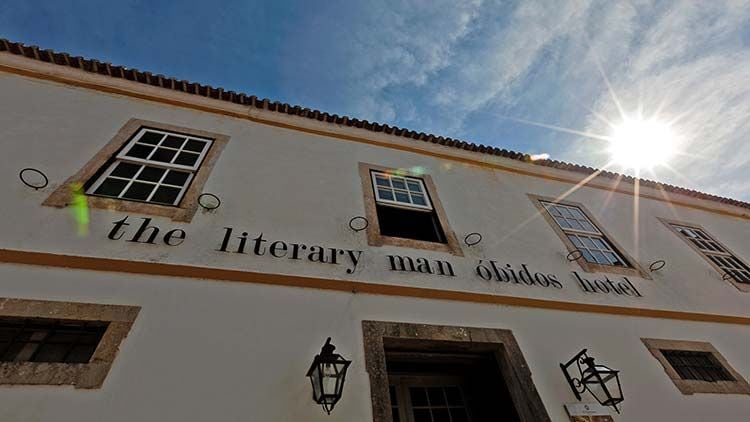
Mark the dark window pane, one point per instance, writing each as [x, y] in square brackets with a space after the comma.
[385, 194]
[177, 178]
[418, 396]
[435, 394]
[54, 352]
[382, 181]
[186, 159]
[152, 138]
[173, 141]
[111, 187]
[398, 183]
[193, 145]
[396, 416]
[151, 174]
[454, 396]
[459, 415]
[126, 170]
[140, 151]
[422, 415]
[166, 195]
[164, 155]
[394, 399]
[440, 415]
[139, 191]
[414, 186]
[11, 352]
[409, 224]
[402, 197]
[82, 353]
[418, 199]
[701, 366]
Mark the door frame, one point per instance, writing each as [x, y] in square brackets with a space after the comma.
[380, 335]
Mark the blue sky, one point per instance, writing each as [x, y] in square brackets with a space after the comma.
[470, 69]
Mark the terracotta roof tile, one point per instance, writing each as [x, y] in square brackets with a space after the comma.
[103, 68]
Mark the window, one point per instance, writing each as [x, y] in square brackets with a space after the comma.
[723, 260]
[149, 168]
[428, 399]
[49, 340]
[155, 166]
[587, 242]
[692, 365]
[60, 343]
[403, 210]
[584, 235]
[416, 375]
[696, 367]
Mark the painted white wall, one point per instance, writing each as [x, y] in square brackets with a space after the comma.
[231, 351]
[203, 350]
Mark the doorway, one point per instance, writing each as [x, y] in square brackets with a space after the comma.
[426, 373]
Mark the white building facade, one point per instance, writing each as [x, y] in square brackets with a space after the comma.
[176, 252]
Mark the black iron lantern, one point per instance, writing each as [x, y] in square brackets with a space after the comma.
[327, 374]
[601, 381]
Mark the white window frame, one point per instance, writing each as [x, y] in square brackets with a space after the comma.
[596, 233]
[122, 157]
[715, 252]
[410, 205]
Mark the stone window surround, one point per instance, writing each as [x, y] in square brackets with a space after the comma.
[89, 375]
[374, 238]
[635, 268]
[380, 335]
[688, 387]
[743, 287]
[188, 206]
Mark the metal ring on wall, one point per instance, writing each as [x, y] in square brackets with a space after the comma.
[22, 176]
[473, 235]
[358, 227]
[575, 255]
[657, 265]
[204, 201]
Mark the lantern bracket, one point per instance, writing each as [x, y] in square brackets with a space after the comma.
[585, 363]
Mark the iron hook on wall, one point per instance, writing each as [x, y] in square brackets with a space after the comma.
[358, 223]
[28, 173]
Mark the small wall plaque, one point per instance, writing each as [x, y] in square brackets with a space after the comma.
[588, 412]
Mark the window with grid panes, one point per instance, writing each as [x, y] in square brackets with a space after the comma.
[432, 403]
[723, 259]
[404, 208]
[584, 235]
[49, 340]
[155, 166]
[695, 365]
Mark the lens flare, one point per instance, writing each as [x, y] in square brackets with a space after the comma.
[642, 143]
[79, 208]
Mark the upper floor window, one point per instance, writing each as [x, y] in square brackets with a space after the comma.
[155, 166]
[148, 168]
[587, 241]
[586, 237]
[403, 210]
[730, 266]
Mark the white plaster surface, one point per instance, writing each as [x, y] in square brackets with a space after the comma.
[204, 350]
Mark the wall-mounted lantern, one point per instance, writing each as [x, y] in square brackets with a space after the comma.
[327, 374]
[601, 381]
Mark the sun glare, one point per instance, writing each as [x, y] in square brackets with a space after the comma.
[642, 144]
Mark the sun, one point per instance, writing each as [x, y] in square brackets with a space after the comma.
[638, 143]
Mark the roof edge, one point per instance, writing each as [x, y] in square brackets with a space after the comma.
[207, 91]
